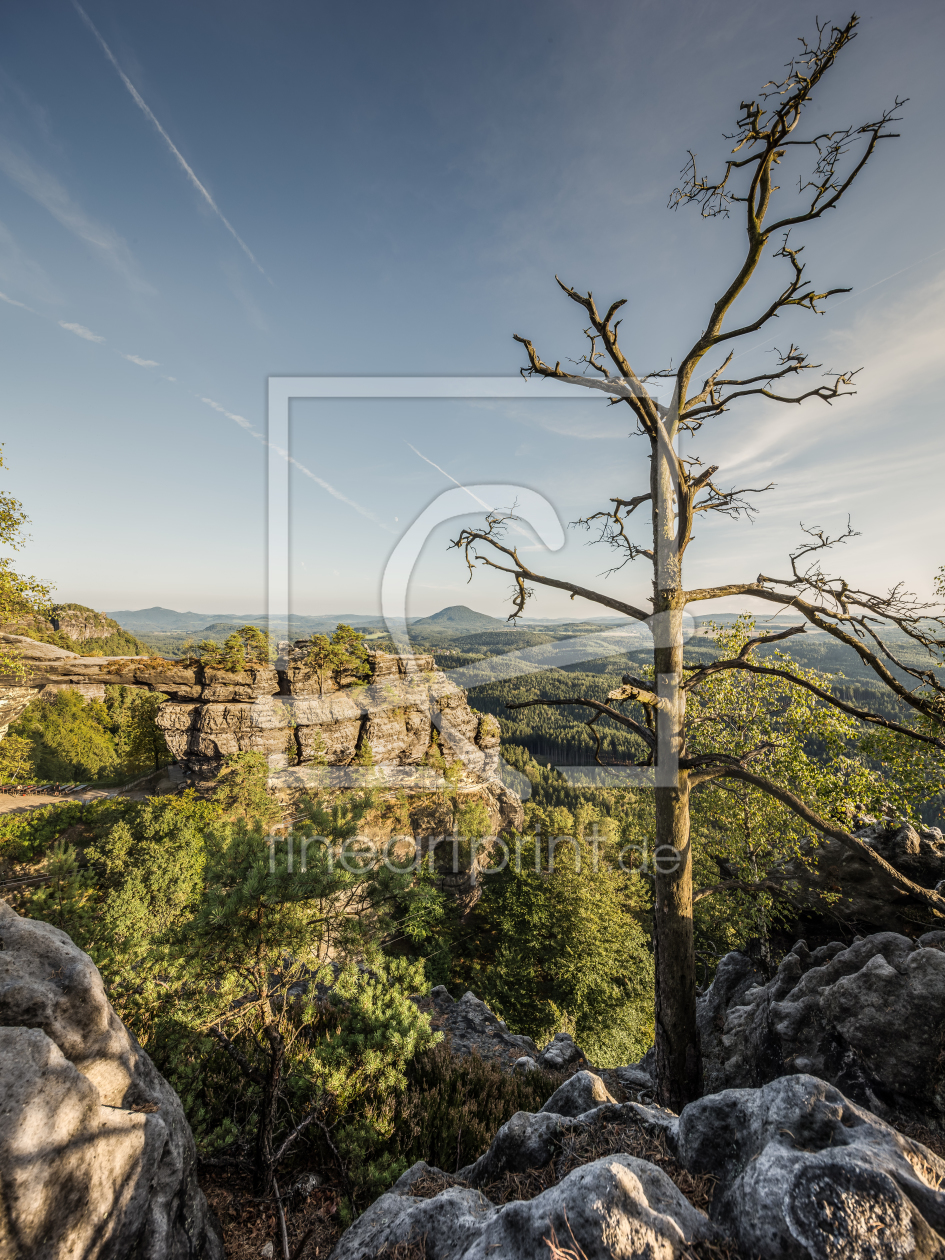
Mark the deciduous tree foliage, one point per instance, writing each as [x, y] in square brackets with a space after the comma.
[20, 596]
[67, 737]
[559, 944]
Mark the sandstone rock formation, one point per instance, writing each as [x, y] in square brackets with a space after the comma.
[802, 1174]
[560, 1053]
[47, 668]
[618, 1206]
[96, 1156]
[470, 1027]
[840, 887]
[580, 1093]
[868, 1018]
[73, 621]
[410, 718]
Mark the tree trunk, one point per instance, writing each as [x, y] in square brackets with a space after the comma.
[267, 1117]
[678, 1058]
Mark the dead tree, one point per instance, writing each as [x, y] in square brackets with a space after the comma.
[766, 139]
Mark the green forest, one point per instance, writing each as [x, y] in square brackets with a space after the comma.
[64, 737]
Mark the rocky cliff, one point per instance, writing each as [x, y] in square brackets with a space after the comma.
[91, 632]
[406, 720]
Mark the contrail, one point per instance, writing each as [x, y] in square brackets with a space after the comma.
[185, 166]
[326, 485]
[516, 525]
[290, 459]
[449, 477]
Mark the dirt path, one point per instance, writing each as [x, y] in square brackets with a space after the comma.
[20, 804]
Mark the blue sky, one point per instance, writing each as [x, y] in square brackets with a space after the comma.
[390, 190]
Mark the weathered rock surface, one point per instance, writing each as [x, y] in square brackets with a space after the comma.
[861, 896]
[868, 1018]
[470, 1027]
[734, 976]
[96, 1156]
[407, 713]
[404, 716]
[580, 1093]
[45, 665]
[560, 1053]
[804, 1174]
[615, 1208]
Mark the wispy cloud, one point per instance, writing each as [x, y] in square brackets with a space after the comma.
[20, 272]
[80, 330]
[181, 160]
[13, 302]
[44, 188]
[901, 347]
[136, 358]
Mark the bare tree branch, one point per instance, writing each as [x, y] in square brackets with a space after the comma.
[603, 710]
[864, 715]
[855, 845]
[492, 533]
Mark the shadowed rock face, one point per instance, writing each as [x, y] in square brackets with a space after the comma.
[869, 1018]
[96, 1155]
[860, 895]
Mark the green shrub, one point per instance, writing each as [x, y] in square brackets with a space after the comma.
[453, 1107]
[446, 1111]
[561, 948]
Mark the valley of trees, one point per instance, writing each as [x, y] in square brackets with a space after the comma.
[66, 738]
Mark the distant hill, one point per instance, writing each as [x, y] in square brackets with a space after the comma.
[158, 620]
[80, 629]
[458, 619]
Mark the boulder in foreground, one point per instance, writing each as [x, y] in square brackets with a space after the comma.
[801, 1173]
[96, 1155]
